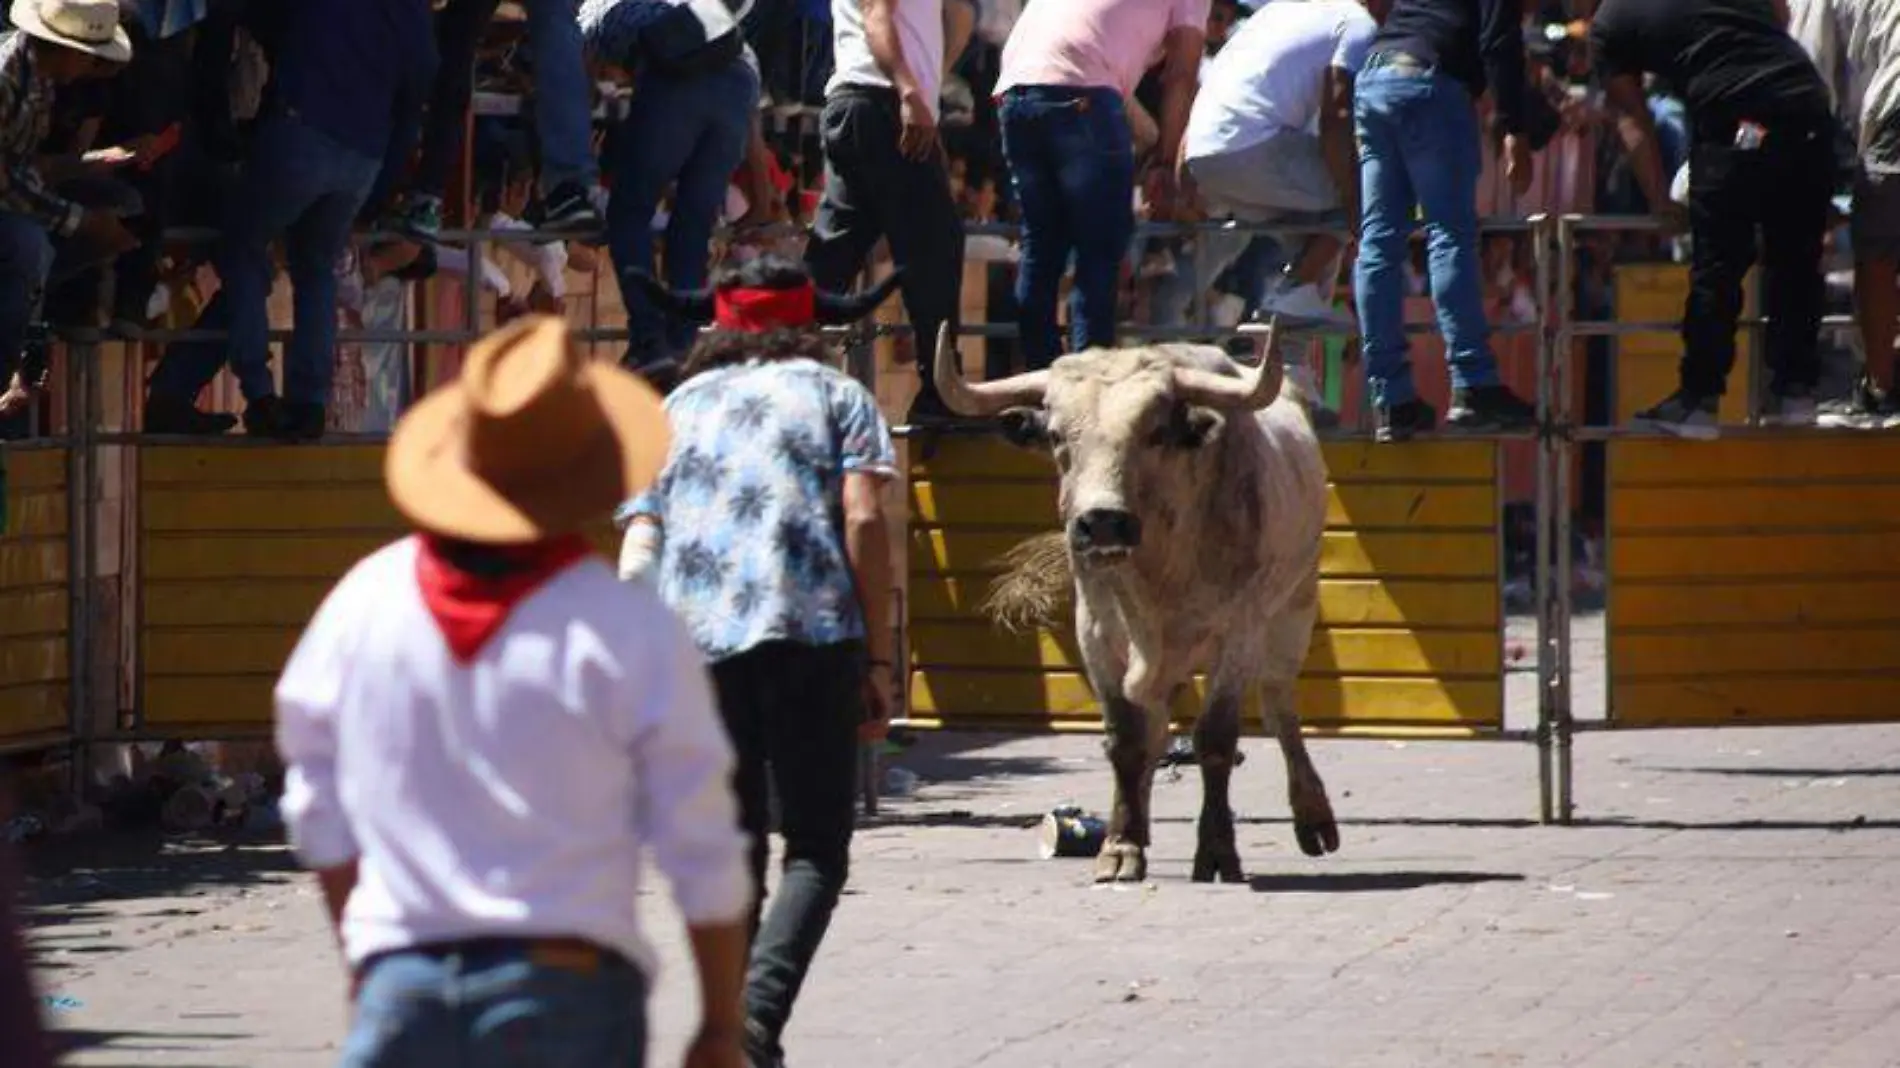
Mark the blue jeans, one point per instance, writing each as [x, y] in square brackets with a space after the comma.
[301, 185]
[1418, 148]
[563, 96]
[490, 1006]
[690, 133]
[1072, 161]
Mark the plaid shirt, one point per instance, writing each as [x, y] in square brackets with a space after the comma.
[26, 110]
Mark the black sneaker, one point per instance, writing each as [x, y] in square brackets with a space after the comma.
[304, 421]
[1401, 421]
[1683, 415]
[170, 415]
[1867, 408]
[1489, 410]
[265, 417]
[567, 207]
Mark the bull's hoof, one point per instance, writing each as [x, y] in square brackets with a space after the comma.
[1317, 839]
[1121, 864]
[1215, 865]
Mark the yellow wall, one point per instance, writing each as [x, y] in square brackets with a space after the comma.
[1754, 581]
[1409, 634]
[238, 546]
[1647, 363]
[34, 597]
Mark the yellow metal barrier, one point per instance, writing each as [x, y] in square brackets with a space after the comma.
[238, 546]
[1410, 636]
[1647, 362]
[35, 620]
[1754, 581]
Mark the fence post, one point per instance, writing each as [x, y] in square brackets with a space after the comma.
[1563, 454]
[82, 359]
[1545, 521]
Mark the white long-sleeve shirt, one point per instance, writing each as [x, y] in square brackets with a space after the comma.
[1856, 45]
[513, 795]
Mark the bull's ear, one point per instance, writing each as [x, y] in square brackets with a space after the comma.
[1026, 428]
[1191, 427]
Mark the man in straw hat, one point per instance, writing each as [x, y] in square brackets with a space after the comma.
[53, 43]
[483, 730]
[768, 531]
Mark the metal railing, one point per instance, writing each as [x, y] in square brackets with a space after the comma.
[1557, 433]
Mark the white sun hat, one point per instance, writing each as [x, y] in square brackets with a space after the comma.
[90, 26]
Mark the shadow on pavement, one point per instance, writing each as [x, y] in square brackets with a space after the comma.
[75, 1040]
[1788, 773]
[65, 877]
[1359, 882]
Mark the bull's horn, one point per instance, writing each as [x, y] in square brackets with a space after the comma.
[1252, 390]
[695, 305]
[836, 309]
[982, 398]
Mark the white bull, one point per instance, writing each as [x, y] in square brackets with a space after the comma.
[1193, 499]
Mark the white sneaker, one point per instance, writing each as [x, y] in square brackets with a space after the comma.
[1790, 411]
[1303, 306]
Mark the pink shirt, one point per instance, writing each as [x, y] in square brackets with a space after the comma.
[1093, 43]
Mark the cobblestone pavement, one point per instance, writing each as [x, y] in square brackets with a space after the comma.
[1729, 898]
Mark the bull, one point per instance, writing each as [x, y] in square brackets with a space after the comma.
[1193, 500]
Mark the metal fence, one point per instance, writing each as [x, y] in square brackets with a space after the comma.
[218, 549]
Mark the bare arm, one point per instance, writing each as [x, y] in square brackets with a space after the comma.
[1142, 125]
[1336, 141]
[880, 33]
[959, 22]
[1180, 78]
[338, 883]
[867, 544]
[1637, 128]
[719, 950]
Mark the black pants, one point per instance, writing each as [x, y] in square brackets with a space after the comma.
[793, 713]
[1783, 189]
[872, 191]
[458, 33]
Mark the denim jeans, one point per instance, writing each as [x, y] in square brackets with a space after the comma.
[690, 133]
[1418, 148]
[1072, 161]
[304, 186]
[26, 260]
[563, 95]
[492, 1005]
[871, 191]
[792, 712]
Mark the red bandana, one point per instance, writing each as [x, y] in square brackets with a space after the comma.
[470, 609]
[757, 311]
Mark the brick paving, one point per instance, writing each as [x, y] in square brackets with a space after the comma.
[1730, 898]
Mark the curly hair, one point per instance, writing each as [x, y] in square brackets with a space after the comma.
[725, 348]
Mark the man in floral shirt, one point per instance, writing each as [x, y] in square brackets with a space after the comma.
[768, 536]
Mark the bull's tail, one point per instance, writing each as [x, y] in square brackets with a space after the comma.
[1035, 589]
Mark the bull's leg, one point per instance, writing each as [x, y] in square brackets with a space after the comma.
[1124, 850]
[1216, 742]
[1287, 640]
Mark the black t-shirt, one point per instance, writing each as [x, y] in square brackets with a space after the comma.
[1729, 59]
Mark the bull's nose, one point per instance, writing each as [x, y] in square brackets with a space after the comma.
[1105, 528]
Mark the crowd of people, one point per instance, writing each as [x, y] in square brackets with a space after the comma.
[888, 129]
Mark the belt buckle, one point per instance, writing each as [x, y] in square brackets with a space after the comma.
[574, 957]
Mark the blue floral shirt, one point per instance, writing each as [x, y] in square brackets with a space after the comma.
[751, 503]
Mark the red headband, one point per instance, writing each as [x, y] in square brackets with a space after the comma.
[757, 311]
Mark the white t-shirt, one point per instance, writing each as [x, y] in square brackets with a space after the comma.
[1269, 75]
[919, 34]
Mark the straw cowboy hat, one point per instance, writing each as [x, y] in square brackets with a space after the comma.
[90, 26]
[532, 439]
